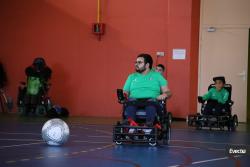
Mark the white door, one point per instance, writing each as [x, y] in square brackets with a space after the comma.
[225, 52]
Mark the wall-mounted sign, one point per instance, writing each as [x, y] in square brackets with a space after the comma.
[179, 54]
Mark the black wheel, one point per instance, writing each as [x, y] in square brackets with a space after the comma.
[198, 125]
[48, 104]
[233, 123]
[118, 143]
[41, 110]
[166, 133]
[235, 119]
[22, 110]
[190, 120]
[152, 142]
[167, 136]
[170, 117]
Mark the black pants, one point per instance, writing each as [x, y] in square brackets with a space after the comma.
[150, 106]
[214, 108]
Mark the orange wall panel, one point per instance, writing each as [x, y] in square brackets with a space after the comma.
[86, 72]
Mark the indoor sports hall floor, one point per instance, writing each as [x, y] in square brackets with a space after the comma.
[90, 145]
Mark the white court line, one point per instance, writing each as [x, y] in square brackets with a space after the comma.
[104, 131]
[99, 136]
[86, 141]
[20, 145]
[13, 133]
[90, 125]
[207, 160]
[203, 142]
[197, 148]
[19, 133]
[184, 147]
[20, 140]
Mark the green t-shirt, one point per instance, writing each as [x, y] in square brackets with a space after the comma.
[144, 86]
[221, 96]
[33, 85]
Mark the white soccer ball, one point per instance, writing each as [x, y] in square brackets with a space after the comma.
[55, 132]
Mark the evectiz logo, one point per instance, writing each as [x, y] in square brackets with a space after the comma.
[237, 151]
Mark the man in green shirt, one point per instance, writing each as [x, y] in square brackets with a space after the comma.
[160, 68]
[216, 97]
[145, 85]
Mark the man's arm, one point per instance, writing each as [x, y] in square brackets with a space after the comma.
[224, 99]
[166, 93]
[126, 87]
[207, 96]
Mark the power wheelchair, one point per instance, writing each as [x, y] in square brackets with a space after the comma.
[33, 104]
[219, 121]
[130, 131]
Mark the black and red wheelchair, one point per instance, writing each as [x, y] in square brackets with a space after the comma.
[136, 131]
[215, 120]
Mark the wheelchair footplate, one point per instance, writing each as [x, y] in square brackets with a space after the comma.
[134, 134]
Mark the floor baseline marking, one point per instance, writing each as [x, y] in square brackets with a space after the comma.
[20, 145]
[207, 160]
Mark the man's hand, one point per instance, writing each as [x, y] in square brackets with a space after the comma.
[200, 99]
[162, 97]
[166, 93]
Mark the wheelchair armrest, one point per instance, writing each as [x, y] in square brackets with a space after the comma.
[121, 96]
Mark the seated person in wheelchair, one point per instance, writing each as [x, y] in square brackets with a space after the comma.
[38, 75]
[145, 85]
[160, 68]
[216, 98]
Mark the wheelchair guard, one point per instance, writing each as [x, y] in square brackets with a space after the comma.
[132, 132]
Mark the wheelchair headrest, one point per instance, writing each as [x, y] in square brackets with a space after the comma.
[228, 87]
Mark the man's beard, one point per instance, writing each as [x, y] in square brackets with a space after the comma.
[140, 70]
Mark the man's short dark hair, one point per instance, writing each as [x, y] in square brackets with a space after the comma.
[162, 66]
[147, 59]
[219, 78]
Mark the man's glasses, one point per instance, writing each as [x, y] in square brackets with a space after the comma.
[139, 62]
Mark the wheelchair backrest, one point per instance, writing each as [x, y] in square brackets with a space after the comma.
[228, 87]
